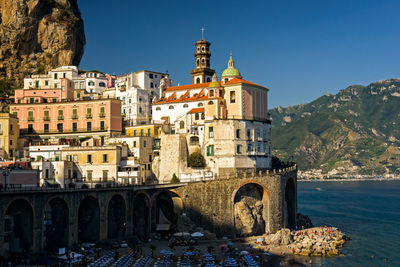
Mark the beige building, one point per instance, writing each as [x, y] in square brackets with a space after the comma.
[9, 134]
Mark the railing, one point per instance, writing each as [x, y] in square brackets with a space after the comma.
[60, 117]
[31, 119]
[88, 116]
[74, 117]
[102, 115]
[46, 118]
[78, 130]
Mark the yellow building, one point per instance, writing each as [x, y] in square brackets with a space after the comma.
[153, 130]
[9, 134]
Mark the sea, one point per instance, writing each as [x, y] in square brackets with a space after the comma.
[367, 211]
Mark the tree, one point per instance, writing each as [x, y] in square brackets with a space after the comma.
[6, 87]
[174, 179]
[196, 159]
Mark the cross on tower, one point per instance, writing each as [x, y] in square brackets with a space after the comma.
[202, 32]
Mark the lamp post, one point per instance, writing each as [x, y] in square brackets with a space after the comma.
[6, 173]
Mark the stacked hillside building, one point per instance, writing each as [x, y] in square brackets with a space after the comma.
[89, 128]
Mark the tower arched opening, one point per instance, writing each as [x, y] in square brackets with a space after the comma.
[116, 218]
[88, 220]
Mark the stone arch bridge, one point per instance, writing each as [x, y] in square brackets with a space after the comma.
[244, 204]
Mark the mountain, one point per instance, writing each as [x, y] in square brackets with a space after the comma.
[38, 35]
[355, 131]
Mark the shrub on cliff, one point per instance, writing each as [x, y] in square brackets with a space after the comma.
[174, 179]
[196, 159]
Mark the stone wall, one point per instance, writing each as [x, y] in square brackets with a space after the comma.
[211, 203]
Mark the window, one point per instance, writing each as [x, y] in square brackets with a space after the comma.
[211, 132]
[74, 113]
[31, 100]
[54, 100]
[198, 80]
[105, 159]
[194, 140]
[74, 127]
[30, 128]
[151, 85]
[102, 112]
[144, 143]
[200, 104]
[248, 133]
[185, 105]
[89, 158]
[141, 132]
[15, 113]
[158, 108]
[171, 107]
[233, 96]
[46, 83]
[181, 124]
[210, 150]
[264, 135]
[149, 132]
[46, 115]
[60, 127]
[46, 175]
[89, 175]
[202, 62]
[249, 148]
[46, 127]
[135, 133]
[258, 133]
[196, 116]
[64, 75]
[55, 76]
[140, 110]
[238, 133]
[105, 175]
[60, 114]
[91, 83]
[134, 143]
[149, 167]
[211, 93]
[102, 125]
[37, 84]
[89, 113]
[102, 84]
[78, 95]
[198, 62]
[151, 75]
[239, 149]
[30, 116]
[89, 125]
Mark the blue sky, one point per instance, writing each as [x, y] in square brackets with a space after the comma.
[299, 49]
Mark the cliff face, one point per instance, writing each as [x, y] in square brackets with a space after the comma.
[37, 35]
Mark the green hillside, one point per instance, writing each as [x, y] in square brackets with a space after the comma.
[354, 131]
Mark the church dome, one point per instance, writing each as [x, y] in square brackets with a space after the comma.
[231, 71]
[214, 83]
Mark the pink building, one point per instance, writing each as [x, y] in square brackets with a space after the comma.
[52, 113]
[111, 80]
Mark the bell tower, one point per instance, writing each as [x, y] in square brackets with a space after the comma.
[202, 73]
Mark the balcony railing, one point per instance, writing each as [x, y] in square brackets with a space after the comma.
[31, 119]
[60, 117]
[102, 115]
[46, 118]
[88, 116]
[77, 130]
[74, 116]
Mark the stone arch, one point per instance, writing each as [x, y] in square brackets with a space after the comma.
[250, 202]
[290, 204]
[116, 217]
[166, 205]
[141, 215]
[18, 226]
[56, 224]
[88, 220]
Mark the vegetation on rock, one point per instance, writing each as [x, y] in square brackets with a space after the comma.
[196, 159]
[174, 179]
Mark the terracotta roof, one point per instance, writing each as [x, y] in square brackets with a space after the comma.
[238, 81]
[196, 110]
[188, 86]
[184, 98]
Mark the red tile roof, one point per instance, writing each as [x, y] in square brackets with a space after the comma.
[238, 81]
[196, 110]
[188, 86]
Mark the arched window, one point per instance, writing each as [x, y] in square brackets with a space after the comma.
[171, 107]
[158, 108]
[182, 124]
[208, 79]
[202, 62]
[198, 80]
[102, 84]
[202, 49]
[200, 104]
[198, 62]
[211, 103]
[185, 105]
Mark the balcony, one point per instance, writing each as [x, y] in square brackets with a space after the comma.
[31, 119]
[66, 131]
[46, 118]
[102, 115]
[88, 116]
[60, 117]
[74, 116]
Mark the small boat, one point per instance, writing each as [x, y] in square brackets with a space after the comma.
[319, 189]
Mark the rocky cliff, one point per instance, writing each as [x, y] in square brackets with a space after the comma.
[37, 35]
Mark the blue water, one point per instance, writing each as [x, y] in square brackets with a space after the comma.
[368, 211]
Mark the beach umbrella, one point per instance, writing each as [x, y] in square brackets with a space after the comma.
[223, 245]
[188, 253]
[260, 239]
[197, 234]
[244, 252]
[207, 255]
[230, 244]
